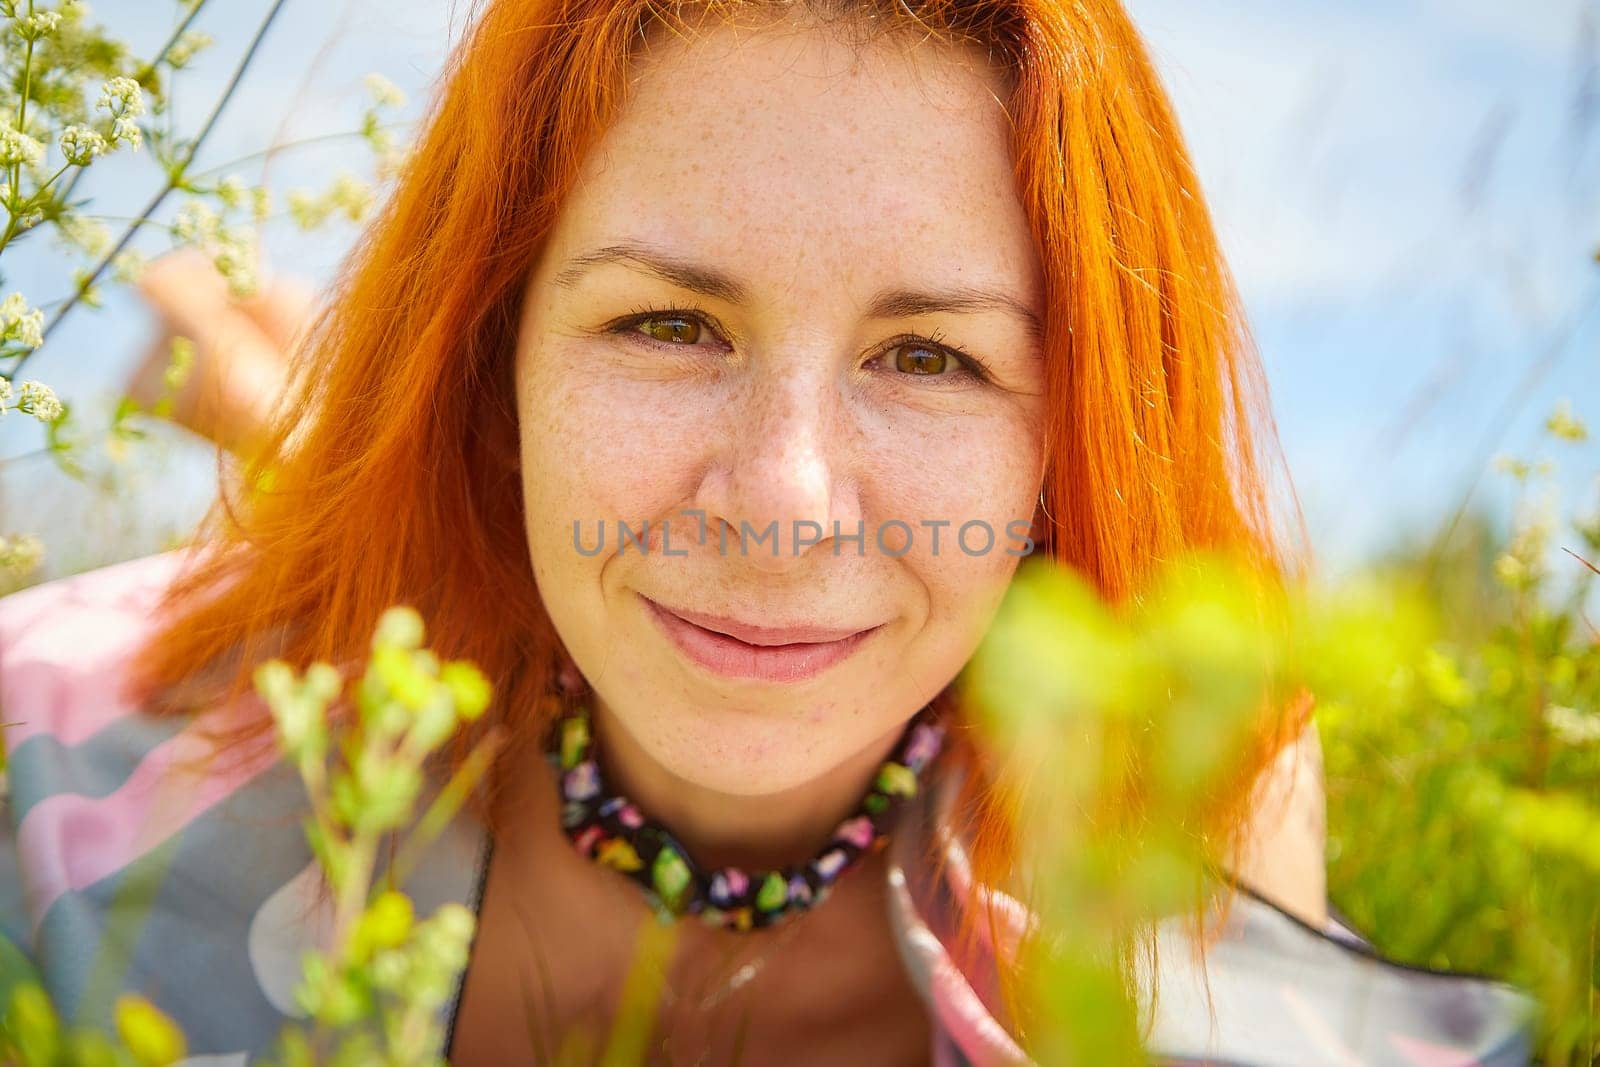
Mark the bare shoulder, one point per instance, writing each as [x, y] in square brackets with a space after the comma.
[1286, 839]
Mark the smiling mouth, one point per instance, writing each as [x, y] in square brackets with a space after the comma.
[767, 656]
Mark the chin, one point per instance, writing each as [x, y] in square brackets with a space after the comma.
[753, 754]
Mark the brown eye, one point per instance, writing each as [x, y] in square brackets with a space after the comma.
[672, 329]
[920, 359]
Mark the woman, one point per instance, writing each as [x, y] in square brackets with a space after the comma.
[797, 269]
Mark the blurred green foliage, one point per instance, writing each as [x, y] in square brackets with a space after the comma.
[1464, 796]
[1457, 696]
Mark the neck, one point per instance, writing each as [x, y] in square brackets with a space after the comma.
[764, 831]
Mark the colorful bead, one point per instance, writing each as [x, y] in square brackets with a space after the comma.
[799, 890]
[670, 877]
[722, 894]
[613, 831]
[857, 831]
[582, 782]
[619, 854]
[588, 839]
[574, 739]
[773, 894]
[830, 864]
[923, 745]
[897, 780]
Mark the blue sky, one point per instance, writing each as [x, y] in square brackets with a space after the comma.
[1408, 192]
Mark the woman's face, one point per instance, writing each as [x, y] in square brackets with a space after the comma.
[750, 311]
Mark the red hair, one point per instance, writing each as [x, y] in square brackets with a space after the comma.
[391, 474]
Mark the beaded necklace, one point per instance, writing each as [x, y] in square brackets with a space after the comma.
[608, 827]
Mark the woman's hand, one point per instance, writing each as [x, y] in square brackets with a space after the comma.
[241, 347]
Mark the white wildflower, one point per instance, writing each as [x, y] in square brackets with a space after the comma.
[20, 323]
[195, 222]
[185, 47]
[126, 266]
[1563, 424]
[125, 131]
[39, 400]
[352, 196]
[80, 145]
[237, 260]
[121, 97]
[1523, 563]
[391, 159]
[348, 196]
[1506, 464]
[17, 147]
[5, 394]
[381, 140]
[89, 235]
[33, 27]
[1572, 726]
[29, 330]
[232, 191]
[306, 209]
[384, 92]
[260, 203]
[233, 252]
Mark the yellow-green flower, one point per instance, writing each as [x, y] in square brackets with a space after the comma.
[152, 1037]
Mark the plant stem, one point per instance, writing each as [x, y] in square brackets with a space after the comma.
[300, 143]
[174, 176]
[22, 130]
[353, 893]
[172, 40]
[444, 806]
[27, 80]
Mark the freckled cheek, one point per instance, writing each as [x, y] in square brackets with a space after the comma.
[982, 481]
[981, 475]
[608, 449]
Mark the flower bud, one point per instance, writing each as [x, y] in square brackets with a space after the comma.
[152, 1037]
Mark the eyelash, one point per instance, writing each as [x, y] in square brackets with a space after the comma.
[971, 366]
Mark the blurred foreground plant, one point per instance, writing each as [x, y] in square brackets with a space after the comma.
[1464, 799]
[375, 993]
[1129, 732]
[1462, 764]
[32, 1034]
[373, 996]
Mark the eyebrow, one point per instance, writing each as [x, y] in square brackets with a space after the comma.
[887, 304]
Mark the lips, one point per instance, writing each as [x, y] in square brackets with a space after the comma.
[766, 653]
[766, 636]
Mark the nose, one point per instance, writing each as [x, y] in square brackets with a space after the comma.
[784, 478]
